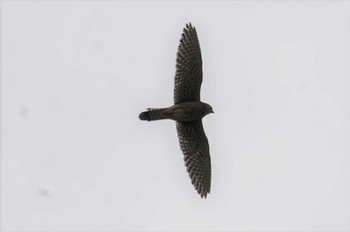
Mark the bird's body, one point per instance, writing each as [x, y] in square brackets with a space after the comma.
[188, 111]
[182, 112]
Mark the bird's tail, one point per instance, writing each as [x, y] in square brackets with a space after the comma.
[153, 114]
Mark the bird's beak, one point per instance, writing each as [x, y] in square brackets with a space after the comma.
[212, 111]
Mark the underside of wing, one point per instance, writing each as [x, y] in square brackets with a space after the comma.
[188, 78]
[195, 147]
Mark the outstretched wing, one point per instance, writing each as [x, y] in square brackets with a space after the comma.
[188, 77]
[195, 147]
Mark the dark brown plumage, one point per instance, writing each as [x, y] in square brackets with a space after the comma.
[188, 111]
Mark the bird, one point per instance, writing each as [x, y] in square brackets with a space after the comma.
[188, 111]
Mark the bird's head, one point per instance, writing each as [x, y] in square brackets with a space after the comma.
[208, 109]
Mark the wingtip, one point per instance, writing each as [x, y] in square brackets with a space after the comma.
[204, 195]
[203, 191]
[189, 25]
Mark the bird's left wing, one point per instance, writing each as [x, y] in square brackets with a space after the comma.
[195, 147]
[188, 78]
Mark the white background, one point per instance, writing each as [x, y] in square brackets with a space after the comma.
[75, 76]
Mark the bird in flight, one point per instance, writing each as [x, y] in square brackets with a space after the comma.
[188, 111]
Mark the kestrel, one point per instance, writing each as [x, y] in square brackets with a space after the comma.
[188, 111]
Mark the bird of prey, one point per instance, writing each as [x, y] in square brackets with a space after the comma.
[188, 111]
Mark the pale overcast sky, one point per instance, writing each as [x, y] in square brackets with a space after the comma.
[76, 74]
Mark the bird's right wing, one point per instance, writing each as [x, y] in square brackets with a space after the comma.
[195, 147]
[188, 78]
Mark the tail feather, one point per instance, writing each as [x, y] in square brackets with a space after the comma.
[152, 114]
[144, 116]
